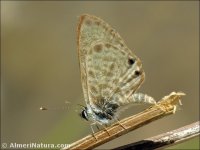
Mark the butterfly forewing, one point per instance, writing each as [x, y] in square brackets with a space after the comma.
[107, 66]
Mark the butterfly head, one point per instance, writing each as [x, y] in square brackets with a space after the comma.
[84, 114]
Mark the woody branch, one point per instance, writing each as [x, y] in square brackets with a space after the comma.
[166, 106]
[166, 139]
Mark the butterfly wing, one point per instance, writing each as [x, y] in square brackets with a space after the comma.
[109, 70]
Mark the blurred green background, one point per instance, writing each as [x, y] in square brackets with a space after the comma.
[40, 65]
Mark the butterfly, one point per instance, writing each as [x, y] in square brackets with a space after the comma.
[110, 72]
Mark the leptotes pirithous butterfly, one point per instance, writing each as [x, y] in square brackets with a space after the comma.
[110, 72]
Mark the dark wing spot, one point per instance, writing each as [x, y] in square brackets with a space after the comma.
[104, 72]
[91, 73]
[98, 48]
[131, 61]
[97, 23]
[107, 45]
[109, 74]
[100, 101]
[88, 22]
[122, 45]
[112, 30]
[84, 51]
[106, 93]
[93, 89]
[112, 66]
[137, 73]
[107, 58]
[115, 81]
[103, 86]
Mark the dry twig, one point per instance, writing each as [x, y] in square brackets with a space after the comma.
[166, 106]
[165, 139]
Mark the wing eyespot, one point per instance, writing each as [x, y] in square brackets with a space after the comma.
[98, 48]
[137, 73]
[131, 61]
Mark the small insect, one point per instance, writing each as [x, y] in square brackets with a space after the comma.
[110, 72]
[43, 108]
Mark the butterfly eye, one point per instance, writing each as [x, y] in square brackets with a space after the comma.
[131, 61]
[84, 115]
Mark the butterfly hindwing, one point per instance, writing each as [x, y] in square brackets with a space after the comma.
[108, 67]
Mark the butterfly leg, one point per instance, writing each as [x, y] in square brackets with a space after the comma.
[104, 128]
[141, 98]
[93, 131]
[116, 119]
[120, 123]
[97, 126]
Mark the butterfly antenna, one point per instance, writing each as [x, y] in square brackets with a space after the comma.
[81, 106]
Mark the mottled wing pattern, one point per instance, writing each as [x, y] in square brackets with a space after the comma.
[107, 65]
